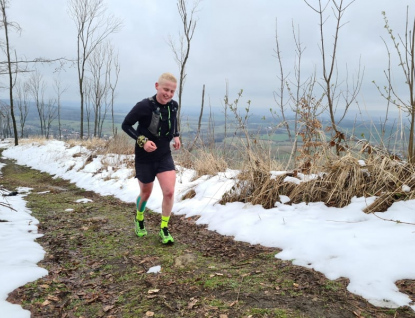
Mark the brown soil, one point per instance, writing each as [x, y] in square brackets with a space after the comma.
[98, 267]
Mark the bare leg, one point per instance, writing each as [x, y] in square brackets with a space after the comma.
[145, 190]
[167, 182]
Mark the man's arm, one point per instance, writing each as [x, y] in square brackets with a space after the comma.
[129, 121]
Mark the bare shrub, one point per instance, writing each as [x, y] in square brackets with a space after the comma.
[258, 187]
[342, 179]
[335, 182]
[390, 176]
[255, 181]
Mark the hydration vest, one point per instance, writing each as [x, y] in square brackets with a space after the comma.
[157, 118]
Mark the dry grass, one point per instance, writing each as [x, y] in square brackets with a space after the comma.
[342, 179]
[120, 144]
[256, 184]
[33, 139]
[203, 161]
[209, 164]
[389, 177]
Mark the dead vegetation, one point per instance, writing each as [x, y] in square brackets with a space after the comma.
[338, 181]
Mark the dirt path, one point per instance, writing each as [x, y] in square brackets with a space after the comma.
[98, 267]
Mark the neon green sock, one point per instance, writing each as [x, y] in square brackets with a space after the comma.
[140, 209]
[164, 221]
[140, 216]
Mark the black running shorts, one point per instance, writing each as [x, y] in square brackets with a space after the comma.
[146, 172]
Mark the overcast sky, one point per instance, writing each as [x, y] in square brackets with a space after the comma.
[234, 41]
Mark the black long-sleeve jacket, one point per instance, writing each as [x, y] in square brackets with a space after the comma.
[142, 113]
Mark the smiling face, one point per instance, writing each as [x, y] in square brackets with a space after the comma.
[165, 91]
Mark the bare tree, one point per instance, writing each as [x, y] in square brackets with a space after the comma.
[113, 70]
[103, 116]
[331, 87]
[100, 66]
[296, 95]
[11, 67]
[22, 92]
[59, 91]
[406, 57]
[50, 115]
[10, 71]
[37, 87]
[93, 25]
[88, 104]
[199, 125]
[181, 53]
[225, 117]
[279, 95]
[5, 120]
[47, 111]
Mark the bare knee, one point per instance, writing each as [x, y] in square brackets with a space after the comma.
[145, 190]
[144, 195]
[168, 193]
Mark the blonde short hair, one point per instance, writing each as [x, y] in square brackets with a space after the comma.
[167, 77]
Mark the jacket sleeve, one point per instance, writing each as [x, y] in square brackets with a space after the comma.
[129, 121]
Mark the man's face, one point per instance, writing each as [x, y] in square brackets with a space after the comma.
[165, 91]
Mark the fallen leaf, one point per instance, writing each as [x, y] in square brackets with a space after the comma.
[53, 298]
[191, 304]
[107, 308]
[45, 286]
[223, 316]
[91, 299]
[153, 291]
[46, 303]
[152, 296]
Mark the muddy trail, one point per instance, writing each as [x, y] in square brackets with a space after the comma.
[98, 267]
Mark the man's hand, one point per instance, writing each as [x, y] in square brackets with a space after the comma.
[150, 146]
[176, 143]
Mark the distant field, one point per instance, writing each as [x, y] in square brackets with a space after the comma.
[259, 129]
